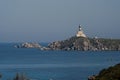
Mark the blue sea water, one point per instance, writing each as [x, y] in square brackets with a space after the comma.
[53, 65]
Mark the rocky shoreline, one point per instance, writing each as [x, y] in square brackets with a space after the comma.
[78, 44]
[86, 44]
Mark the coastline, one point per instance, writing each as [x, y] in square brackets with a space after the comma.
[77, 44]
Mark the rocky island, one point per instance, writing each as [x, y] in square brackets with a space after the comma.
[86, 44]
[81, 42]
[31, 45]
[28, 45]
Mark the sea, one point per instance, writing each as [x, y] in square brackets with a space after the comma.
[53, 65]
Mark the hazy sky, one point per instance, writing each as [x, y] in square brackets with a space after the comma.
[51, 20]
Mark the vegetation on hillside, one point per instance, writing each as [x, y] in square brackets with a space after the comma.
[112, 73]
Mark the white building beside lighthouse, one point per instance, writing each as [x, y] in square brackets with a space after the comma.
[80, 33]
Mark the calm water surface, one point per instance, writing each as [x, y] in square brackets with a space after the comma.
[53, 65]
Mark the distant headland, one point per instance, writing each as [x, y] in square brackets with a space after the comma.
[79, 42]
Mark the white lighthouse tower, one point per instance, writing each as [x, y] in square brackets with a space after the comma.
[80, 33]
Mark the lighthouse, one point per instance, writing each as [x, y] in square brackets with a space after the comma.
[80, 32]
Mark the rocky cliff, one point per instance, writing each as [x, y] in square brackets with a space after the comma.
[86, 44]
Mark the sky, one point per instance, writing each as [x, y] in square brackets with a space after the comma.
[51, 20]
